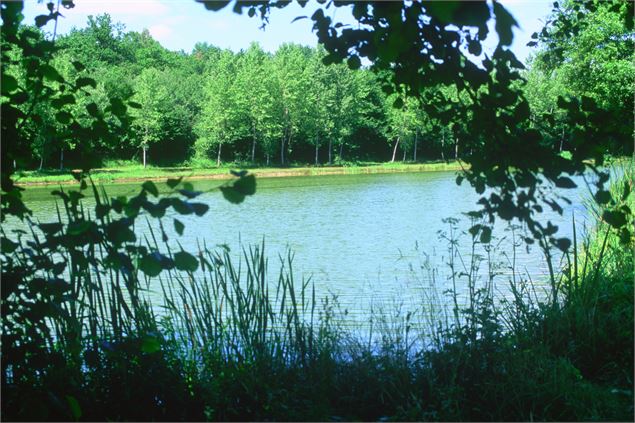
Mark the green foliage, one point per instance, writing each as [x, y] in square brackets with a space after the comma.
[235, 342]
[80, 338]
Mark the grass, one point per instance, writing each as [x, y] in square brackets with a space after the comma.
[233, 340]
[127, 172]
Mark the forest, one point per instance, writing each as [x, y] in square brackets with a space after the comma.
[212, 106]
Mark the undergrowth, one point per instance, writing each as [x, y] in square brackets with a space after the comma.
[234, 340]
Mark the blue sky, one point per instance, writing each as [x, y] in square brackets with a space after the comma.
[179, 24]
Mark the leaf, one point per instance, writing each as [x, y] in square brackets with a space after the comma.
[50, 228]
[73, 404]
[62, 101]
[189, 194]
[181, 207]
[117, 106]
[238, 173]
[199, 208]
[214, 5]
[79, 228]
[51, 73]
[151, 188]
[504, 23]
[616, 218]
[564, 182]
[442, 10]
[626, 192]
[185, 261]
[474, 230]
[486, 234]
[63, 117]
[563, 244]
[178, 226]
[42, 20]
[9, 84]
[150, 265]
[474, 47]
[85, 81]
[173, 182]
[603, 197]
[354, 63]
[79, 66]
[246, 185]
[92, 109]
[150, 344]
[232, 195]
[7, 246]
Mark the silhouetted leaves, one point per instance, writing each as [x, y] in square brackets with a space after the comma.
[185, 261]
[151, 188]
[236, 192]
[150, 264]
[615, 218]
[178, 226]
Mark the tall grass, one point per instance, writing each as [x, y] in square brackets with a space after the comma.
[231, 339]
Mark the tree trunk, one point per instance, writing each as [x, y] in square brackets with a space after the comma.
[41, 161]
[62, 158]
[442, 145]
[316, 154]
[456, 148]
[342, 150]
[394, 150]
[282, 151]
[253, 149]
[404, 155]
[414, 155]
[145, 147]
[562, 140]
[331, 150]
[218, 156]
[267, 158]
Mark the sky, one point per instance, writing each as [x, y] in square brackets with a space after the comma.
[180, 24]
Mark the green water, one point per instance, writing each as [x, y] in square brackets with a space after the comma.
[370, 240]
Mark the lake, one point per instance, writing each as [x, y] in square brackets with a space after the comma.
[370, 240]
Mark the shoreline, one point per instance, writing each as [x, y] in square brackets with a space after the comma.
[200, 174]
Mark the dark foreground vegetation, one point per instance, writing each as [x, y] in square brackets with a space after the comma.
[232, 341]
[229, 341]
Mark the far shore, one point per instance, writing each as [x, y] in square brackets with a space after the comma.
[138, 173]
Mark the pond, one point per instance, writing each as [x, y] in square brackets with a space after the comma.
[370, 240]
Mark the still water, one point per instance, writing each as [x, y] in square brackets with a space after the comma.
[362, 238]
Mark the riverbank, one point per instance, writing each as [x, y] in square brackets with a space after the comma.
[132, 173]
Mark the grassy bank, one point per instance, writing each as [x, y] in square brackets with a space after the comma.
[81, 340]
[130, 173]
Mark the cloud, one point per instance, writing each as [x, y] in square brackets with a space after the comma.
[161, 32]
[121, 7]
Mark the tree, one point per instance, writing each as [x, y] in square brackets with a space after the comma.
[151, 94]
[586, 53]
[402, 113]
[422, 45]
[252, 94]
[289, 63]
[219, 122]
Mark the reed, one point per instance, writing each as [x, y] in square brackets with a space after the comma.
[233, 339]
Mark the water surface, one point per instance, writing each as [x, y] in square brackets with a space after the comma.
[359, 237]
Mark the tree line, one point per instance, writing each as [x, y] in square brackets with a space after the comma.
[212, 105]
